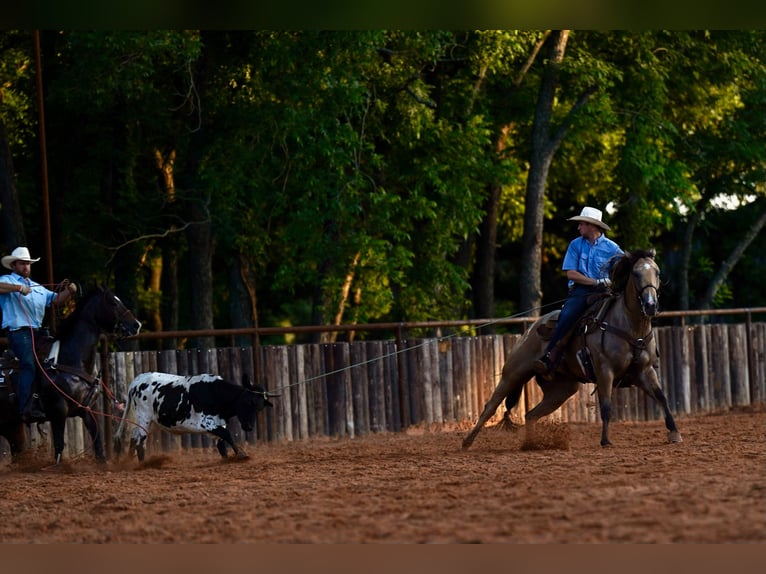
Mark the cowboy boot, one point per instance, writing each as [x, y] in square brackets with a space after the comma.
[33, 411]
[546, 365]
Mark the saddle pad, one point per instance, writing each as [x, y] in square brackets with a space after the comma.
[545, 331]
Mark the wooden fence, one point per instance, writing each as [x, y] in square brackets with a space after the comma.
[351, 389]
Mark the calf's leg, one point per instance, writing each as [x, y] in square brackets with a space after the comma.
[137, 442]
[221, 445]
[224, 437]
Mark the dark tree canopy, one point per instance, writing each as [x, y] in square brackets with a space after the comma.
[226, 178]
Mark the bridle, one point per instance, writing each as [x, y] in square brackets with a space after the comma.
[122, 312]
[639, 289]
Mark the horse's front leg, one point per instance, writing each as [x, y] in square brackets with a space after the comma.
[605, 407]
[649, 382]
[91, 424]
[58, 422]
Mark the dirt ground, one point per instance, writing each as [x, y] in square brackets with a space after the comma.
[414, 487]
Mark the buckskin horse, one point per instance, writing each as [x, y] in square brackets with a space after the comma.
[66, 385]
[612, 346]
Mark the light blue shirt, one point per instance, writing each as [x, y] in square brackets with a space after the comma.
[24, 310]
[590, 260]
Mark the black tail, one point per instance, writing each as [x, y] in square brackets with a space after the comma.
[117, 440]
[512, 399]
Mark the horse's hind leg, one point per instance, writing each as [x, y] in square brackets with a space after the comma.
[511, 385]
[554, 395]
[91, 424]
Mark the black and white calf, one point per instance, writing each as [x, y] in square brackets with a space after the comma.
[188, 404]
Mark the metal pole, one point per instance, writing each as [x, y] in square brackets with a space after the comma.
[44, 160]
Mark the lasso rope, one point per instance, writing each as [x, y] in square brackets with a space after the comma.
[414, 347]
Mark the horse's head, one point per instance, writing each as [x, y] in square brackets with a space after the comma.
[111, 315]
[255, 399]
[639, 275]
[646, 280]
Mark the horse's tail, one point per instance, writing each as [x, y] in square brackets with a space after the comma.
[118, 434]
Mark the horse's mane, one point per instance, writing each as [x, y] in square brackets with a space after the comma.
[66, 327]
[621, 266]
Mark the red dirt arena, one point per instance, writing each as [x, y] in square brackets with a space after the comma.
[414, 487]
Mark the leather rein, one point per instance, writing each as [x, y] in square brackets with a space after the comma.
[639, 344]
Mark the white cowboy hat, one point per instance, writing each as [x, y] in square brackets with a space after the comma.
[591, 215]
[18, 254]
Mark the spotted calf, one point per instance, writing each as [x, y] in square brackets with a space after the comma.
[188, 404]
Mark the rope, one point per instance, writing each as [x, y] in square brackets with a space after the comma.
[86, 408]
[414, 347]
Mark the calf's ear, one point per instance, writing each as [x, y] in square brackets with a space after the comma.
[246, 382]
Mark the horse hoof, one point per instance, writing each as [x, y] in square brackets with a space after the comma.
[508, 425]
[606, 444]
[674, 436]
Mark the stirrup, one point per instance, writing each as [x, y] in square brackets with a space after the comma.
[542, 366]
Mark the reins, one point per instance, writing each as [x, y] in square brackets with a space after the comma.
[637, 344]
[92, 381]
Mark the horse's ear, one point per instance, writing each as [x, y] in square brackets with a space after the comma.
[652, 252]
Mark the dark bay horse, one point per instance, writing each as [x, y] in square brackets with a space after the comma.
[67, 386]
[616, 347]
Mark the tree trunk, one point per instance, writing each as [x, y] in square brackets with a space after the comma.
[543, 149]
[344, 296]
[201, 242]
[168, 310]
[483, 277]
[170, 294]
[242, 298]
[736, 254]
[199, 234]
[686, 251]
[484, 272]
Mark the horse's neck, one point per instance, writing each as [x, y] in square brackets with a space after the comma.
[79, 349]
[635, 321]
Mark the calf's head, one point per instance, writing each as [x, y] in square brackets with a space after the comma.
[253, 401]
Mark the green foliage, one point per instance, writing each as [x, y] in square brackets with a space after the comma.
[351, 169]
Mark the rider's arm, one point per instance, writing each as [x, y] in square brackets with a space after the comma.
[13, 288]
[577, 277]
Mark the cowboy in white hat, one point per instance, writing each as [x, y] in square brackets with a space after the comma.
[23, 303]
[585, 264]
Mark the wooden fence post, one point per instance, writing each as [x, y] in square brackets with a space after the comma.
[347, 389]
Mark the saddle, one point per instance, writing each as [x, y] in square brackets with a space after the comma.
[598, 305]
[9, 362]
[597, 308]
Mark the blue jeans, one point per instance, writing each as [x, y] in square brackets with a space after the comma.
[574, 307]
[22, 345]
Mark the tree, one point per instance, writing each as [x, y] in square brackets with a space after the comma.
[17, 112]
[546, 139]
